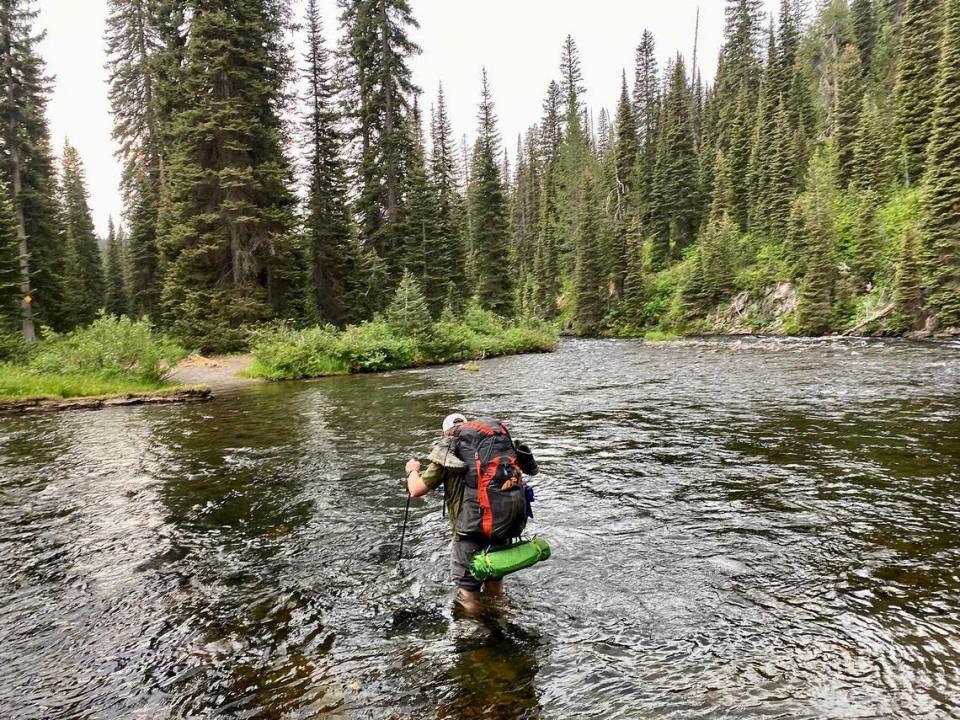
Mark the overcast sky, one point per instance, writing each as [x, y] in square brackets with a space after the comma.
[518, 41]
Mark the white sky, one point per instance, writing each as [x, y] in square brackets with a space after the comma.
[518, 41]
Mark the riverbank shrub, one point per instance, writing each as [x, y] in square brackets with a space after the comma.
[111, 347]
[283, 353]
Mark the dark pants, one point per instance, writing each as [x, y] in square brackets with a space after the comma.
[461, 555]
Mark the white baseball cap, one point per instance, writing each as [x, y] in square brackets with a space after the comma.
[450, 420]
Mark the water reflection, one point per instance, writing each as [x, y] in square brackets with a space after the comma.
[746, 528]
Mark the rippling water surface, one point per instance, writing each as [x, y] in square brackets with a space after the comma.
[745, 529]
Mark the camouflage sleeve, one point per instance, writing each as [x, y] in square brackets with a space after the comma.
[433, 476]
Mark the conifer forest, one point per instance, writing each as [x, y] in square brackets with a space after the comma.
[813, 187]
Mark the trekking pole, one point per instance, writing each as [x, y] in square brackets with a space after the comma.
[403, 531]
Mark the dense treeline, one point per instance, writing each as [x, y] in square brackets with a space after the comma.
[821, 168]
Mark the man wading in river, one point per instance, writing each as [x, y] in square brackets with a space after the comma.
[481, 469]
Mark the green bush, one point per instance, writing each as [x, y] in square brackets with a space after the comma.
[374, 346]
[110, 347]
[13, 348]
[281, 353]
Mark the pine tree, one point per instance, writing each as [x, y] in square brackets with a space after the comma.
[134, 48]
[408, 313]
[588, 274]
[874, 155]
[228, 234]
[450, 210]
[545, 266]
[908, 285]
[86, 274]
[942, 182]
[488, 213]
[675, 174]
[115, 301]
[627, 152]
[815, 240]
[633, 286]
[915, 89]
[846, 119]
[865, 28]
[427, 254]
[646, 105]
[327, 226]
[571, 79]
[10, 277]
[27, 167]
[377, 50]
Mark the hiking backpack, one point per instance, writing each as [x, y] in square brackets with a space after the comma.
[494, 500]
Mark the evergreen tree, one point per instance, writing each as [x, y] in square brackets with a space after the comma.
[377, 50]
[633, 287]
[942, 182]
[86, 272]
[27, 166]
[908, 286]
[328, 232]
[915, 89]
[551, 127]
[676, 171]
[571, 79]
[815, 241]
[646, 105]
[427, 254]
[846, 119]
[228, 234]
[874, 155]
[865, 29]
[134, 49]
[116, 301]
[627, 152]
[10, 277]
[408, 313]
[450, 210]
[546, 270]
[488, 214]
[588, 275]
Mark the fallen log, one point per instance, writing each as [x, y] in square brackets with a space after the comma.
[159, 397]
[879, 315]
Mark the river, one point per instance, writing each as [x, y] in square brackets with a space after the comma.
[744, 528]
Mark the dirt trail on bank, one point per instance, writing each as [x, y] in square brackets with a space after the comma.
[217, 373]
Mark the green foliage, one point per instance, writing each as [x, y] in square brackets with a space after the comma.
[408, 314]
[19, 383]
[84, 268]
[111, 347]
[10, 274]
[908, 290]
[283, 353]
[942, 191]
[13, 348]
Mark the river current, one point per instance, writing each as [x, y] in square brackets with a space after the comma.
[744, 528]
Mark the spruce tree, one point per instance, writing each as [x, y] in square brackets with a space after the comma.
[633, 286]
[908, 283]
[865, 29]
[874, 155]
[646, 105]
[627, 152]
[376, 49]
[916, 84]
[134, 49]
[327, 226]
[846, 119]
[588, 274]
[10, 276]
[676, 172]
[427, 253]
[571, 79]
[115, 301]
[27, 167]
[408, 313]
[86, 270]
[228, 235]
[450, 211]
[815, 241]
[942, 182]
[493, 282]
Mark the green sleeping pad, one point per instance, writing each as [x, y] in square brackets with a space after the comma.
[493, 565]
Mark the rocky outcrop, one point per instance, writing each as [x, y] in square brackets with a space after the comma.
[746, 314]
